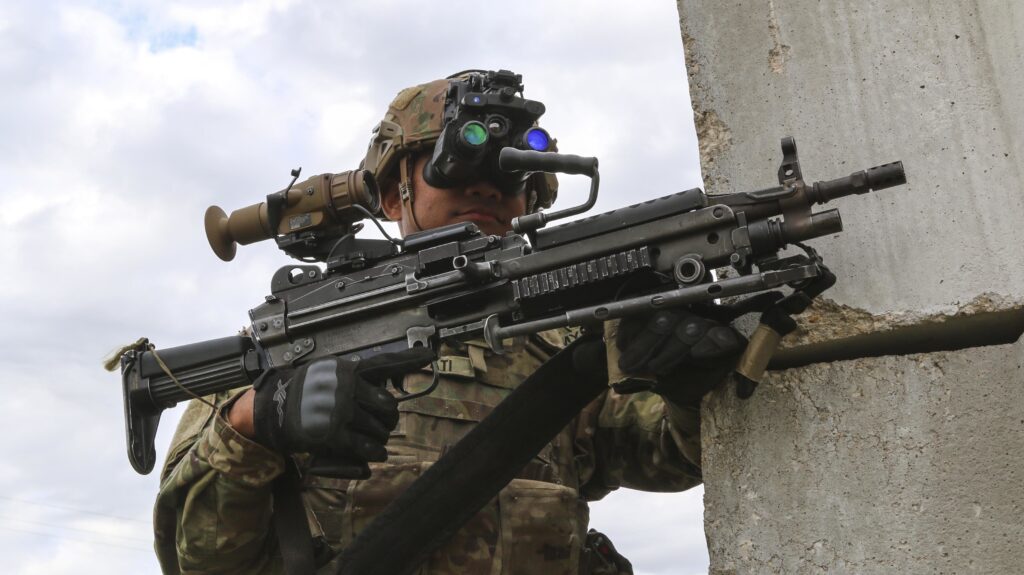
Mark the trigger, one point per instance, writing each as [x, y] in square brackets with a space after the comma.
[398, 384]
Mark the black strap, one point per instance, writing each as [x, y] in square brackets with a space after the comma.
[476, 468]
[290, 522]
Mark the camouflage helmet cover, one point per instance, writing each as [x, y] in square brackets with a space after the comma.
[413, 122]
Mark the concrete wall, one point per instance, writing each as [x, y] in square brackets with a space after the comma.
[900, 464]
[935, 84]
[905, 463]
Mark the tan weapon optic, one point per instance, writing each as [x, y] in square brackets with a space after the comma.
[319, 203]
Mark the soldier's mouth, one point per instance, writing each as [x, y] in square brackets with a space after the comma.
[479, 215]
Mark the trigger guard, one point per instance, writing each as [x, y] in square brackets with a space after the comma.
[406, 396]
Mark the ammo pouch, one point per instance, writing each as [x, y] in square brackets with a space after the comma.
[599, 557]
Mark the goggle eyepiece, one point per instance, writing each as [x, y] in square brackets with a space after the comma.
[497, 126]
[537, 139]
[473, 134]
[482, 116]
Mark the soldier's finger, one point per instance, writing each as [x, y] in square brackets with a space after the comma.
[375, 400]
[384, 366]
[676, 351]
[648, 342]
[719, 342]
[363, 447]
[672, 356]
[697, 341]
[369, 425]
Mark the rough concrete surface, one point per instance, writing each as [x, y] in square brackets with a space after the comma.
[829, 331]
[908, 464]
[827, 320]
[934, 84]
[876, 461]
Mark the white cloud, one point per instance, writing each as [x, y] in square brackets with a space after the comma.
[661, 533]
[121, 121]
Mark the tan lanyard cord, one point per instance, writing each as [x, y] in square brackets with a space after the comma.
[167, 370]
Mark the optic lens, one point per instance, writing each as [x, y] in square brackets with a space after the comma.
[474, 133]
[497, 126]
[537, 139]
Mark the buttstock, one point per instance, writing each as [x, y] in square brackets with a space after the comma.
[154, 380]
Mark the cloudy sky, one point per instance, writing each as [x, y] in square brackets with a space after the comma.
[120, 122]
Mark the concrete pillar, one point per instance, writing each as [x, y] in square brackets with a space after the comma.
[899, 446]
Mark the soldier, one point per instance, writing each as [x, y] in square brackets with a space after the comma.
[215, 506]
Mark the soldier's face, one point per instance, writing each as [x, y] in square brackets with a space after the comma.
[480, 202]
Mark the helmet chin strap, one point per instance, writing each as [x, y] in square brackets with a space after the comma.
[405, 190]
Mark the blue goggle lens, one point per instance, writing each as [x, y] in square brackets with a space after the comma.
[537, 139]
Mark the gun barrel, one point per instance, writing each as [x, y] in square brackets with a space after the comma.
[862, 182]
[819, 224]
[768, 236]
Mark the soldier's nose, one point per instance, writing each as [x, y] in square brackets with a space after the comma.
[483, 189]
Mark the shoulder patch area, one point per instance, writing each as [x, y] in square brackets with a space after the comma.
[557, 339]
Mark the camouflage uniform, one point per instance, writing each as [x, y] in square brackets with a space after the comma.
[213, 513]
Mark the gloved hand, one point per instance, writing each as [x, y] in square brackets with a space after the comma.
[337, 410]
[689, 354]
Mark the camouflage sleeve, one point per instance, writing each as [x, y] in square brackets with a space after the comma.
[638, 441]
[213, 511]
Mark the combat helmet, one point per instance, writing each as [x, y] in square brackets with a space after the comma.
[415, 121]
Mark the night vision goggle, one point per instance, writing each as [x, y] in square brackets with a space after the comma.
[482, 115]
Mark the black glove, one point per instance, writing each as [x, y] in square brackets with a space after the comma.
[689, 354]
[337, 410]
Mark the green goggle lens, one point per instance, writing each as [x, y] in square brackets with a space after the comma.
[474, 134]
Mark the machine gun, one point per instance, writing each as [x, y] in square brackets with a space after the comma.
[455, 283]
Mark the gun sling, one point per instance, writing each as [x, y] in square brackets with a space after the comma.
[472, 473]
